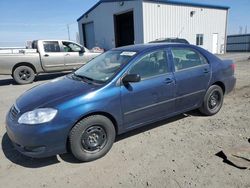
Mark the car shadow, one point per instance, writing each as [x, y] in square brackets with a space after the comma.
[68, 157]
[6, 82]
[42, 77]
[28, 162]
[150, 127]
[15, 157]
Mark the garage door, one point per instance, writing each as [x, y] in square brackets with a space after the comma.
[89, 35]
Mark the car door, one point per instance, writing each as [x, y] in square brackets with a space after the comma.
[151, 98]
[73, 55]
[52, 57]
[192, 74]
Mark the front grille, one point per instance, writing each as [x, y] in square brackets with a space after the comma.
[14, 111]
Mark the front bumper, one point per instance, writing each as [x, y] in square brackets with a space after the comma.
[39, 140]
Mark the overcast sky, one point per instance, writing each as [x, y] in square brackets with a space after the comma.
[22, 20]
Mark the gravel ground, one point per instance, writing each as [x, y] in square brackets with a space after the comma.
[178, 152]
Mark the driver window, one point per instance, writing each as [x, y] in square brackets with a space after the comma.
[152, 64]
[71, 47]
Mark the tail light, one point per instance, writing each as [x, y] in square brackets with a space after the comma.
[233, 67]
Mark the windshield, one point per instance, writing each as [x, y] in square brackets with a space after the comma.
[105, 66]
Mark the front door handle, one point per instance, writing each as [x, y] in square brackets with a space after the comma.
[46, 55]
[168, 81]
[67, 55]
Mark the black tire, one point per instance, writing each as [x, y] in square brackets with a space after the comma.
[213, 101]
[23, 75]
[92, 137]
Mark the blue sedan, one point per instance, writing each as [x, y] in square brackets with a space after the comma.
[120, 90]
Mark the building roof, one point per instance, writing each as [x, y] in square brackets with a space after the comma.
[170, 2]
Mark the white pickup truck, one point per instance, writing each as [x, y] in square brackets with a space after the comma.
[45, 56]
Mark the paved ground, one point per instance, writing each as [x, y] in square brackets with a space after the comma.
[179, 152]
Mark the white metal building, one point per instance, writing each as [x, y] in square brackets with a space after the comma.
[114, 23]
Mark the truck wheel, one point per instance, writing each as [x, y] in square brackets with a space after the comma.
[24, 75]
[213, 101]
[92, 138]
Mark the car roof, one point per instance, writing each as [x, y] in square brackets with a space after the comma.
[151, 46]
[170, 38]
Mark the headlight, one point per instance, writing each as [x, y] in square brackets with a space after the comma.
[38, 116]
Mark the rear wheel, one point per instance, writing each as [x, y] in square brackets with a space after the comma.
[213, 101]
[92, 138]
[24, 75]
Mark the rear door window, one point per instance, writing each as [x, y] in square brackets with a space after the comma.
[51, 46]
[185, 58]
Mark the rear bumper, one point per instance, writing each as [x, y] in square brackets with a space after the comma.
[230, 84]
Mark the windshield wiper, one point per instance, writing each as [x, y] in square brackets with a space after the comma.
[87, 79]
[83, 77]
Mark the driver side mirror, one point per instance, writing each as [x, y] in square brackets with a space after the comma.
[131, 78]
[82, 50]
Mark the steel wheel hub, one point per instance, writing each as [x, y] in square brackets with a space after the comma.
[94, 138]
[214, 100]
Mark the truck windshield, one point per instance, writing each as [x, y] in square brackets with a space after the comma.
[105, 66]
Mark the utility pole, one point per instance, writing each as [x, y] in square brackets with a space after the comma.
[240, 31]
[68, 31]
[77, 38]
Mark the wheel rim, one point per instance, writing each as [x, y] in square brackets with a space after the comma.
[214, 100]
[24, 74]
[94, 139]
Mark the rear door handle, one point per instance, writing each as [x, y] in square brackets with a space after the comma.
[46, 55]
[67, 55]
[206, 71]
[168, 81]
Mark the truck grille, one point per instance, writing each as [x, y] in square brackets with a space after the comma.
[14, 111]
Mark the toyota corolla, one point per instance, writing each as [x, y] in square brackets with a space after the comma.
[120, 90]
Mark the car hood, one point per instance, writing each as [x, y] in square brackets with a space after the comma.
[48, 94]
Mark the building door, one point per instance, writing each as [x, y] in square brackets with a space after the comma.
[124, 29]
[215, 43]
[89, 35]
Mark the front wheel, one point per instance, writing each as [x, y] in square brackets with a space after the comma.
[92, 138]
[213, 101]
[24, 75]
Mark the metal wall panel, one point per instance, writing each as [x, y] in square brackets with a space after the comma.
[238, 48]
[238, 43]
[238, 39]
[103, 18]
[154, 20]
[163, 20]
